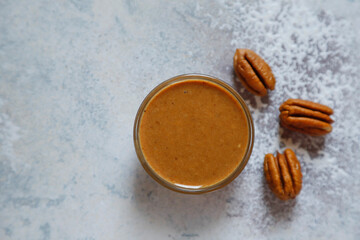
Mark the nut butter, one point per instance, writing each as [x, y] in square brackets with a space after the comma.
[193, 133]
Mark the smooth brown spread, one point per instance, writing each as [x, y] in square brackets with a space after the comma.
[193, 133]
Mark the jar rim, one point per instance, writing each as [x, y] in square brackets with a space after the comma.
[188, 189]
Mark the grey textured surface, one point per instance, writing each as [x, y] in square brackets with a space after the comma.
[73, 73]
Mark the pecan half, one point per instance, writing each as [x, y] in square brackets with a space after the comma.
[253, 72]
[283, 174]
[306, 117]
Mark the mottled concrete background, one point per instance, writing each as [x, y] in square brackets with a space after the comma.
[73, 73]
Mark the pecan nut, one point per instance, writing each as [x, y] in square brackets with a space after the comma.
[283, 174]
[306, 117]
[253, 72]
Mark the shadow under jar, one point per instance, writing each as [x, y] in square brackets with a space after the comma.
[193, 133]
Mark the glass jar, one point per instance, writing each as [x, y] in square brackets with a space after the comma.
[183, 188]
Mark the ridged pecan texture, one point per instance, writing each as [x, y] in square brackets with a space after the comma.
[306, 117]
[283, 174]
[253, 72]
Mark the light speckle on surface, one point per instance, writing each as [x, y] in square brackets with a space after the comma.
[73, 74]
